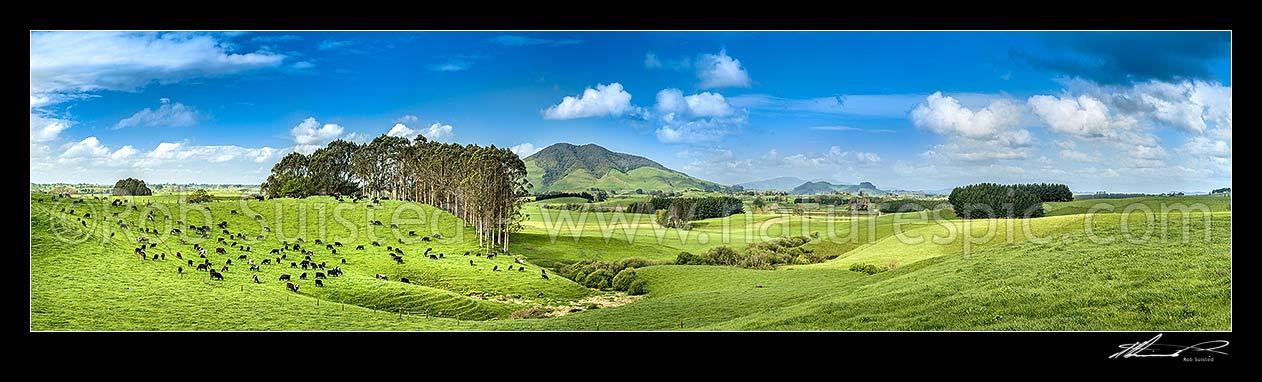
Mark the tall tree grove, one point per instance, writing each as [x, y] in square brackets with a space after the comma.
[483, 186]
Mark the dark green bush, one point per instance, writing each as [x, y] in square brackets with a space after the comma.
[868, 268]
[636, 287]
[686, 258]
[600, 279]
[721, 255]
[624, 279]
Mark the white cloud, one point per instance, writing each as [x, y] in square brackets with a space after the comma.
[310, 136]
[438, 132]
[88, 147]
[603, 101]
[165, 150]
[44, 129]
[1075, 155]
[408, 119]
[525, 149]
[78, 62]
[701, 105]
[944, 115]
[167, 115]
[123, 153]
[721, 71]
[1084, 116]
[835, 156]
[401, 130]
[702, 117]
[703, 130]
[1205, 147]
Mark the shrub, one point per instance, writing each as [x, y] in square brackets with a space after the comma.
[686, 258]
[867, 268]
[721, 255]
[624, 279]
[636, 287]
[636, 262]
[599, 279]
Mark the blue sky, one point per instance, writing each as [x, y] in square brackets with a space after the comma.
[1117, 111]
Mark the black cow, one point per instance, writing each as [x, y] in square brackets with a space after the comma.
[215, 275]
[267, 261]
[284, 277]
[242, 257]
[319, 275]
[359, 247]
[382, 277]
[292, 287]
[405, 280]
[203, 267]
[256, 279]
[319, 283]
[303, 276]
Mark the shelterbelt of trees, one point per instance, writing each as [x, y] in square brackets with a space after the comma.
[990, 200]
[481, 185]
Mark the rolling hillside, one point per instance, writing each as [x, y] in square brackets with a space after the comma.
[567, 167]
[783, 183]
[812, 188]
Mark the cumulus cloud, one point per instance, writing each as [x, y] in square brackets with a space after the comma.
[310, 136]
[401, 130]
[438, 132]
[525, 149]
[123, 152]
[1084, 116]
[88, 147]
[167, 115]
[701, 105]
[1205, 147]
[44, 129]
[944, 115]
[721, 71]
[702, 117]
[604, 101]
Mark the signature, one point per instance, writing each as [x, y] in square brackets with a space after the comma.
[1151, 348]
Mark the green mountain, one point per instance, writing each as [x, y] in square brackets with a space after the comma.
[812, 188]
[567, 167]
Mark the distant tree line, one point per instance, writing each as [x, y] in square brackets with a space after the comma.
[1221, 190]
[990, 200]
[131, 187]
[1048, 192]
[481, 185]
[555, 194]
[1109, 196]
[681, 211]
[906, 205]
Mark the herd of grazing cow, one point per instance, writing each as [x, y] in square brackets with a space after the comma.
[280, 254]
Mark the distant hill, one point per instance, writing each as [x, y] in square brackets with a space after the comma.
[812, 188]
[784, 183]
[567, 167]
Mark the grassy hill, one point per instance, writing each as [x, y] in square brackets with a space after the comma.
[567, 167]
[812, 188]
[783, 183]
[1053, 274]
